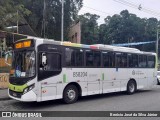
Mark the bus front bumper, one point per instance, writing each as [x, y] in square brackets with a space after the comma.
[30, 96]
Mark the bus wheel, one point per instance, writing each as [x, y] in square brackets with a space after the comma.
[131, 87]
[70, 94]
[158, 82]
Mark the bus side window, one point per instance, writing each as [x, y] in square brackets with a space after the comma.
[108, 59]
[118, 59]
[135, 60]
[52, 66]
[97, 59]
[73, 57]
[105, 59]
[151, 62]
[68, 56]
[89, 58]
[142, 61]
[78, 57]
[132, 60]
[124, 60]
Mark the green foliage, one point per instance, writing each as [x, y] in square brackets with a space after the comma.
[8, 12]
[89, 28]
[52, 17]
[120, 28]
[32, 11]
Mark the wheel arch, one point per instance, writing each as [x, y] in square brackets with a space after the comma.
[132, 79]
[78, 87]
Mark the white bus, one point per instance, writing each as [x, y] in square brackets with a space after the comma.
[47, 70]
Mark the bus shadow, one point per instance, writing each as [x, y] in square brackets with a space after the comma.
[54, 103]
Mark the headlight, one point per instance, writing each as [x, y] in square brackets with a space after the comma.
[25, 90]
[28, 88]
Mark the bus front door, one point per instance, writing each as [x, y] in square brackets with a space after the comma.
[49, 77]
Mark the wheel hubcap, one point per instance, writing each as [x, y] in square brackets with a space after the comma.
[71, 94]
[131, 87]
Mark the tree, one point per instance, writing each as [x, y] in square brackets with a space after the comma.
[89, 28]
[8, 12]
[53, 16]
[127, 28]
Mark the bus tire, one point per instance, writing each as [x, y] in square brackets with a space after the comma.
[158, 82]
[131, 87]
[70, 94]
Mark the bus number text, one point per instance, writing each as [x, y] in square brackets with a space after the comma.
[79, 74]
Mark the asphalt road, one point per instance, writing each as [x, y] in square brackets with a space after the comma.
[142, 100]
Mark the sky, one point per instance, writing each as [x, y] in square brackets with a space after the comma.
[104, 8]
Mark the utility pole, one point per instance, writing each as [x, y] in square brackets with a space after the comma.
[157, 42]
[17, 22]
[62, 21]
[44, 19]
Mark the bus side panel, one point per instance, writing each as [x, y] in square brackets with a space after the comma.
[122, 79]
[108, 80]
[51, 88]
[76, 75]
[152, 77]
[94, 78]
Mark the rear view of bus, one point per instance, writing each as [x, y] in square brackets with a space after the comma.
[23, 71]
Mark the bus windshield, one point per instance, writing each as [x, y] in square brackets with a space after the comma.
[23, 64]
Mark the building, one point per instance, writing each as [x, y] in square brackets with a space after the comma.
[75, 33]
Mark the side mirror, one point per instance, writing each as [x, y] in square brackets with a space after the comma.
[44, 59]
[7, 54]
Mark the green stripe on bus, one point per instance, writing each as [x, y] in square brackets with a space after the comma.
[64, 78]
[17, 88]
[102, 76]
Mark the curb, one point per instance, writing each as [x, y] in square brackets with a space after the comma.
[4, 96]
[3, 88]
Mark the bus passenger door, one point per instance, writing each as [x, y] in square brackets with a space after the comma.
[49, 70]
[93, 72]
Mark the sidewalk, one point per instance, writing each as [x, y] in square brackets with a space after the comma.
[4, 94]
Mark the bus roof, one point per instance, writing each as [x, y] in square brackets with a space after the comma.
[94, 46]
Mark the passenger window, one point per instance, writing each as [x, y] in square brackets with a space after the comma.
[49, 65]
[93, 58]
[124, 60]
[118, 59]
[68, 56]
[108, 59]
[132, 60]
[89, 58]
[97, 59]
[121, 60]
[74, 57]
[142, 61]
[151, 61]
[77, 57]
[53, 62]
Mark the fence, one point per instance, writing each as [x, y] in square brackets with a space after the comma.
[4, 80]
[4, 70]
